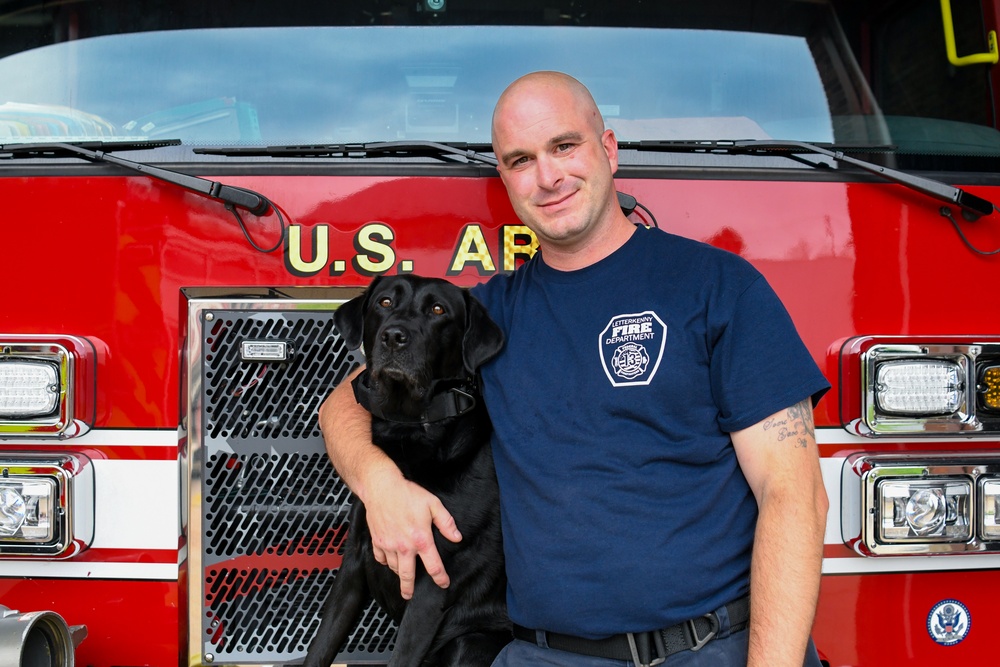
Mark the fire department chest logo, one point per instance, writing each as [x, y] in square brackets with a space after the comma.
[631, 347]
[949, 622]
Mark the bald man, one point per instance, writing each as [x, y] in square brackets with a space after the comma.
[660, 485]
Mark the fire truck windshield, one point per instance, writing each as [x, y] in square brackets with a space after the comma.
[378, 72]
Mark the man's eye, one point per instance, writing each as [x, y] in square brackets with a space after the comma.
[437, 309]
[562, 148]
[385, 302]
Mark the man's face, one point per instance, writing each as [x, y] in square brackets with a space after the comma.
[556, 164]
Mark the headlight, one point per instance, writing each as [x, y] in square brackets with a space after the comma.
[990, 508]
[46, 505]
[13, 511]
[26, 505]
[924, 510]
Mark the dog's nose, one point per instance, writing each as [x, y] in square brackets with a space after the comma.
[395, 338]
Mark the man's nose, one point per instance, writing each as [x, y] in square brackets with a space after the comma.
[549, 172]
[395, 337]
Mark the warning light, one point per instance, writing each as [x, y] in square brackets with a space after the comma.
[919, 387]
[990, 388]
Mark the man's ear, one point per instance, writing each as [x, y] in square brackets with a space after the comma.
[483, 339]
[610, 143]
[350, 317]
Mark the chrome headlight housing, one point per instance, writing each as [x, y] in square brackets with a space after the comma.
[928, 503]
[920, 385]
[47, 386]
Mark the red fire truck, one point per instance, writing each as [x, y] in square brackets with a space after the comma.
[194, 187]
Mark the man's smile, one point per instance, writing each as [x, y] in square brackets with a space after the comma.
[555, 203]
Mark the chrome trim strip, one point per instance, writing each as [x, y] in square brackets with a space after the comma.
[126, 437]
[835, 435]
[862, 565]
[89, 570]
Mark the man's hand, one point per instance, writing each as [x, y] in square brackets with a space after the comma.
[400, 518]
[401, 514]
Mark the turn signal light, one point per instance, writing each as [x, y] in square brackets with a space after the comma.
[990, 388]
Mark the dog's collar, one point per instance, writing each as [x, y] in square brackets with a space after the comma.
[450, 398]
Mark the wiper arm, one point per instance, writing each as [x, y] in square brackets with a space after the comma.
[470, 152]
[227, 194]
[972, 207]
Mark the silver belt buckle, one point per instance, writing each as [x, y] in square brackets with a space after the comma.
[659, 659]
[699, 642]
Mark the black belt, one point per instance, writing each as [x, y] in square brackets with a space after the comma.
[645, 649]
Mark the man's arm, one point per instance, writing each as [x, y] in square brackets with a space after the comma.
[780, 460]
[400, 513]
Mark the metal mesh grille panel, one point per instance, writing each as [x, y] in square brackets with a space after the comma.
[247, 399]
[274, 513]
[282, 504]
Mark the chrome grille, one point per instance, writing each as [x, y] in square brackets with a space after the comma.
[273, 514]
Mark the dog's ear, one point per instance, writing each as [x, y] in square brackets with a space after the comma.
[350, 318]
[483, 338]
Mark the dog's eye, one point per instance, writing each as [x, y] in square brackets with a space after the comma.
[437, 309]
[385, 302]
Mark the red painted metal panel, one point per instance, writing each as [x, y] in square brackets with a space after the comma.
[881, 619]
[129, 623]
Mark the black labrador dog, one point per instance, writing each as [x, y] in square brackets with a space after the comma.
[423, 340]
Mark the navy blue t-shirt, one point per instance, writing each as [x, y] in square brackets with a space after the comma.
[623, 505]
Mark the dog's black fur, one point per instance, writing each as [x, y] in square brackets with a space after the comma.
[416, 331]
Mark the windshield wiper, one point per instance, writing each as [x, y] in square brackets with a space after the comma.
[28, 150]
[99, 151]
[442, 151]
[972, 207]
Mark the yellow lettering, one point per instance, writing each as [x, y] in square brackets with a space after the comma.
[320, 237]
[518, 241]
[375, 255]
[472, 249]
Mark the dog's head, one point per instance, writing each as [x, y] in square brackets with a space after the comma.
[416, 330]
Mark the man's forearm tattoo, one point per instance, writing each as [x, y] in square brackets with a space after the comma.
[795, 425]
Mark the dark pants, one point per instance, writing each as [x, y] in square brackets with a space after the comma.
[726, 650]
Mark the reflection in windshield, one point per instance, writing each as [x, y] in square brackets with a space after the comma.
[255, 86]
